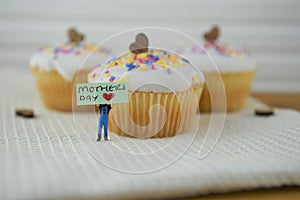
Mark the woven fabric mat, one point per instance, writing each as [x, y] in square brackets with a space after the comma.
[46, 157]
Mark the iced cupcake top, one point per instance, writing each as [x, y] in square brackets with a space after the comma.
[213, 48]
[227, 57]
[149, 70]
[69, 57]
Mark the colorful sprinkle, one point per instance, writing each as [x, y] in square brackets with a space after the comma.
[112, 78]
[185, 60]
[72, 48]
[151, 60]
[130, 66]
[220, 49]
[162, 59]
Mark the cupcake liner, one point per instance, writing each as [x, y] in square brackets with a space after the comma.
[237, 87]
[142, 117]
[56, 92]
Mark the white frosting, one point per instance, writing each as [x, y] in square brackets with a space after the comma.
[156, 78]
[227, 58]
[67, 59]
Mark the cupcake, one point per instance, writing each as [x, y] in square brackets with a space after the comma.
[235, 65]
[55, 68]
[164, 90]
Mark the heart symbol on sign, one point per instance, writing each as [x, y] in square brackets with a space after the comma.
[213, 34]
[140, 45]
[108, 96]
[75, 36]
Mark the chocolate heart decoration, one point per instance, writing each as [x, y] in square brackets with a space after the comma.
[213, 34]
[108, 96]
[75, 36]
[267, 111]
[140, 45]
[27, 113]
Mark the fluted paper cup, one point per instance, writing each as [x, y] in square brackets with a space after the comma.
[237, 87]
[155, 114]
[56, 92]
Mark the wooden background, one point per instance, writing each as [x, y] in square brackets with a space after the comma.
[269, 29]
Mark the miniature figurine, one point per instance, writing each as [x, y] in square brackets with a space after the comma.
[103, 120]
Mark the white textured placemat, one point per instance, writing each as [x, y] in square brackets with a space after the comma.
[44, 157]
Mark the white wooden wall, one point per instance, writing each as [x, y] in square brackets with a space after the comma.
[270, 29]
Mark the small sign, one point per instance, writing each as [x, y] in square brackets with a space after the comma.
[101, 93]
